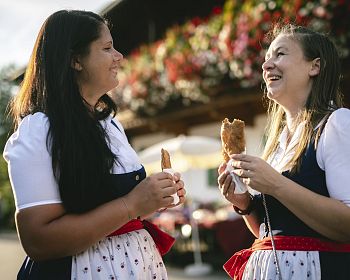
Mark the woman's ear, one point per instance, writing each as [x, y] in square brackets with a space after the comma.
[315, 67]
[75, 64]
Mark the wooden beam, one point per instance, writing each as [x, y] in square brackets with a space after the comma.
[179, 120]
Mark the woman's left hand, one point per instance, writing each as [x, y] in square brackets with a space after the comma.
[257, 173]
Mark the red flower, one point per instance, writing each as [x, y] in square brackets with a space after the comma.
[196, 21]
[188, 69]
[287, 18]
[171, 70]
[297, 5]
[266, 16]
[216, 10]
[277, 14]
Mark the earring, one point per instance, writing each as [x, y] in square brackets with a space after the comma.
[77, 66]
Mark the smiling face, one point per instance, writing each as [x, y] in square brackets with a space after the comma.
[287, 74]
[97, 71]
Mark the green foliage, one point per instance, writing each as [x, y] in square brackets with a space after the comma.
[7, 206]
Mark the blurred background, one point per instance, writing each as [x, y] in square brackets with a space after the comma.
[188, 65]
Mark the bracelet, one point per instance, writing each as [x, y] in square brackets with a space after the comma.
[249, 209]
[162, 209]
[126, 207]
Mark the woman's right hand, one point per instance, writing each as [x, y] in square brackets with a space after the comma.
[49, 232]
[227, 189]
[151, 194]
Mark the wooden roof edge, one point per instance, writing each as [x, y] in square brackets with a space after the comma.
[130, 119]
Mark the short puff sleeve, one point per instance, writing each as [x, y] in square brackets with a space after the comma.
[333, 154]
[29, 164]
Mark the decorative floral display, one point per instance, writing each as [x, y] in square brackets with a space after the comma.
[194, 60]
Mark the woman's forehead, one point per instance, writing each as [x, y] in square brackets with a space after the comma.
[280, 40]
[283, 41]
[105, 35]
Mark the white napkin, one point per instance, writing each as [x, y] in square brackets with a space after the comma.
[240, 186]
[175, 196]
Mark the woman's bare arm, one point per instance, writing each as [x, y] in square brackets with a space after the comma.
[48, 232]
[327, 216]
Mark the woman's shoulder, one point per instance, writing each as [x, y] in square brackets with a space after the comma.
[30, 135]
[343, 113]
[340, 119]
[33, 126]
[37, 119]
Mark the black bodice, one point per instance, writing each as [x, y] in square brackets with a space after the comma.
[310, 176]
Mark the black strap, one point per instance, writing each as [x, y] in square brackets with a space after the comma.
[59, 269]
[115, 125]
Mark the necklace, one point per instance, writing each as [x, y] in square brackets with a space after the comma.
[278, 271]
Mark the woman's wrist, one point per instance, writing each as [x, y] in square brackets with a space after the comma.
[247, 210]
[127, 201]
[126, 208]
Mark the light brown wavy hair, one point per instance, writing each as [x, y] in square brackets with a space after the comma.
[324, 98]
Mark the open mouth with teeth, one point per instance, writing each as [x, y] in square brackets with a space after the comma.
[274, 78]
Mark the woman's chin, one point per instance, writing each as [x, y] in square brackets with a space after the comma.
[114, 84]
[272, 94]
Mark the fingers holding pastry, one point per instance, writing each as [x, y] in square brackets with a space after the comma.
[222, 167]
[243, 173]
[228, 185]
[181, 193]
[166, 167]
[224, 181]
[177, 176]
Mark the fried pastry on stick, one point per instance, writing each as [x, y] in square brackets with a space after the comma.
[232, 138]
[166, 167]
[165, 161]
[233, 142]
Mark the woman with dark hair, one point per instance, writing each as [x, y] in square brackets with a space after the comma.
[79, 187]
[300, 210]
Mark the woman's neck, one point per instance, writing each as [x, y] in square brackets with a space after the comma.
[290, 122]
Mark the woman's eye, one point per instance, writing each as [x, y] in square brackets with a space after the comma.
[279, 54]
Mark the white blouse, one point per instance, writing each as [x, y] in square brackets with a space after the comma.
[333, 153]
[30, 166]
[333, 156]
[132, 255]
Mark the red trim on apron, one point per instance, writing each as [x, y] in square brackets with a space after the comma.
[236, 264]
[163, 240]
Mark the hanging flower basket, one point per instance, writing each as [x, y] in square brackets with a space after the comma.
[186, 66]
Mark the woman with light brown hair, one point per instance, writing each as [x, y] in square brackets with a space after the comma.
[300, 210]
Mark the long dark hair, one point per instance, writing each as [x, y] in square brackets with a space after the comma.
[325, 95]
[81, 157]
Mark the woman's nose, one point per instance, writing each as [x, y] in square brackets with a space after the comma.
[118, 56]
[268, 64]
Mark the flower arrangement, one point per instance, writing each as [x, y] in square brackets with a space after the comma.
[228, 48]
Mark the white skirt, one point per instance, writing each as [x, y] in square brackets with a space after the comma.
[293, 265]
[131, 256]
